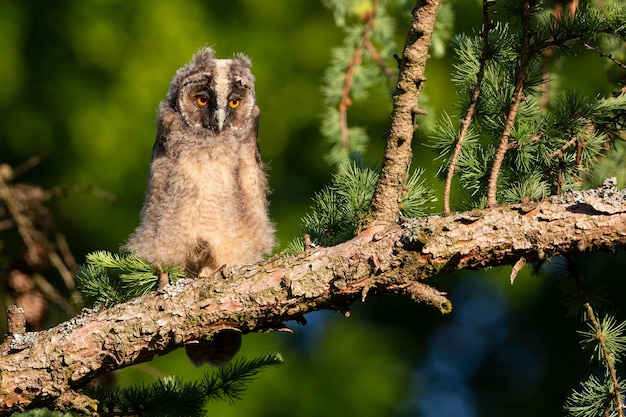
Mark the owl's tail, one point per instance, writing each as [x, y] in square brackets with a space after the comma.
[217, 351]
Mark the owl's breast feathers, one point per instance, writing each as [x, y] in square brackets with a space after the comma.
[206, 205]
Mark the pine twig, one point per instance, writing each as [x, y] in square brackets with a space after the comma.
[516, 100]
[559, 152]
[600, 337]
[465, 123]
[346, 101]
[380, 61]
[603, 55]
[606, 354]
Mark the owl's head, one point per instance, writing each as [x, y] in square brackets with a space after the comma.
[213, 94]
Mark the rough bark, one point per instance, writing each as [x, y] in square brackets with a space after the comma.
[390, 189]
[48, 368]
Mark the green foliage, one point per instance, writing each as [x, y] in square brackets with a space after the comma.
[595, 399]
[363, 61]
[338, 207]
[574, 276]
[558, 134]
[173, 397]
[108, 278]
[603, 340]
[614, 340]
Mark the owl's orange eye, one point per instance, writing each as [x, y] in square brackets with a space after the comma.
[202, 100]
[234, 103]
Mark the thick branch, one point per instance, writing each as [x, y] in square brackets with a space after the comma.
[390, 188]
[46, 368]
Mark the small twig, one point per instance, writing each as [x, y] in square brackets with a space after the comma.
[422, 293]
[68, 278]
[164, 278]
[559, 152]
[346, 101]
[516, 99]
[517, 267]
[66, 274]
[16, 320]
[25, 166]
[465, 123]
[307, 241]
[68, 257]
[53, 295]
[393, 76]
[603, 55]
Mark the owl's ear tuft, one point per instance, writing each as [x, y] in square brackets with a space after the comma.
[242, 60]
[241, 69]
[202, 61]
[203, 56]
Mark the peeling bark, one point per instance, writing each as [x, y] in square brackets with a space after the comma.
[48, 368]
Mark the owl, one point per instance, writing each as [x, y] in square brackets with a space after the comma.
[206, 202]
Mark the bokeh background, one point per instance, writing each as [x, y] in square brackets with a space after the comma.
[80, 82]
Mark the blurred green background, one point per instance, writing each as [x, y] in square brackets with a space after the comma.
[80, 82]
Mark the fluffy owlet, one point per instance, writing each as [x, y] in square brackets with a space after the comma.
[206, 202]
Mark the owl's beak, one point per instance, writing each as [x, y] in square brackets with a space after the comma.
[220, 115]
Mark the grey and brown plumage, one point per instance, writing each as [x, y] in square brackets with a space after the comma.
[206, 202]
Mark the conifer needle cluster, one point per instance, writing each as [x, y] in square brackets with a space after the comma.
[520, 134]
[337, 209]
[108, 278]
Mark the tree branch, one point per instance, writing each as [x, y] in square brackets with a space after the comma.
[516, 100]
[601, 338]
[48, 368]
[390, 188]
[346, 101]
[467, 120]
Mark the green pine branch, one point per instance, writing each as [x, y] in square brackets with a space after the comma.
[595, 399]
[364, 60]
[108, 278]
[603, 339]
[557, 136]
[338, 207]
[172, 397]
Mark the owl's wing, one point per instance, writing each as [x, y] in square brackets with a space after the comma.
[256, 114]
[165, 125]
[159, 148]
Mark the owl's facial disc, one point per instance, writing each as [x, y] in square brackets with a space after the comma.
[218, 99]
